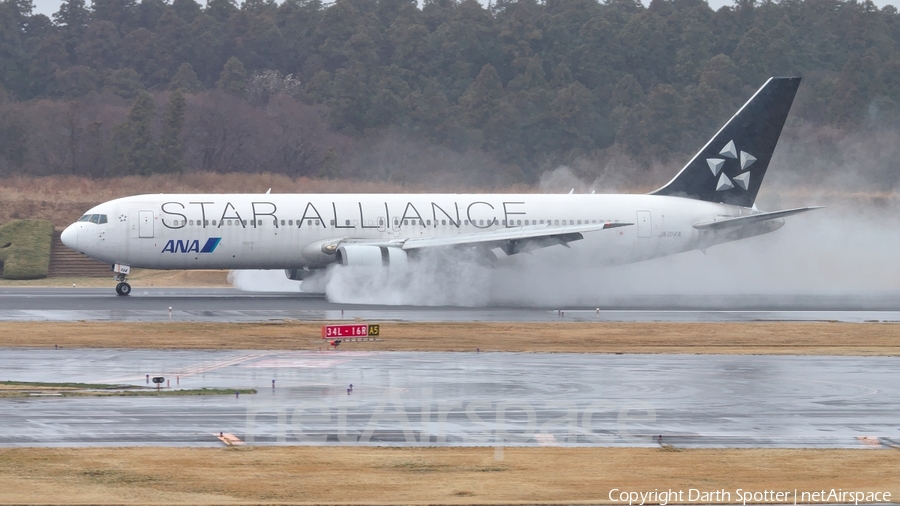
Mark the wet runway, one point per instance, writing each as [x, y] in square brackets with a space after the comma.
[230, 305]
[459, 399]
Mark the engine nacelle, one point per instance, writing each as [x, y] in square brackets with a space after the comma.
[357, 255]
[319, 254]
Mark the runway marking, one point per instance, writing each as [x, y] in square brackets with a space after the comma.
[872, 391]
[228, 438]
[200, 368]
[869, 441]
[544, 439]
[205, 367]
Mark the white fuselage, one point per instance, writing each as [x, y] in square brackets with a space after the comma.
[286, 231]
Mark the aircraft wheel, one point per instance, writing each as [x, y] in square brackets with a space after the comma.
[123, 289]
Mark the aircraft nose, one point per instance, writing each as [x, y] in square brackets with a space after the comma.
[69, 236]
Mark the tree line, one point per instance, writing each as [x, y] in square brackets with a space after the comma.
[383, 89]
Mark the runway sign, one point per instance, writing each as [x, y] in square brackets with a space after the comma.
[356, 330]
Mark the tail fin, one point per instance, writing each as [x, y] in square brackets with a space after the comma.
[731, 166]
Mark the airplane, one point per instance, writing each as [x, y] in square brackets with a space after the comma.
[710, 201]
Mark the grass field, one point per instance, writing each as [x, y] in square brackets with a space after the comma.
[10, 389]
[139, 278]
[361, 475]
[25, 248]
[783, 338]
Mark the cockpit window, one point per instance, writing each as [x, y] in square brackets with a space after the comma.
[94, 218]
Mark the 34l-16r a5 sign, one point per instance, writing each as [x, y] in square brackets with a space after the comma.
[354, 330]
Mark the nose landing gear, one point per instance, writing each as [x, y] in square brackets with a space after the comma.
[123, 288]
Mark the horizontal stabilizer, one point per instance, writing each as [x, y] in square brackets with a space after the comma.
[740, 221]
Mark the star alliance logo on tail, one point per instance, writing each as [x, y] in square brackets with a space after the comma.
[742, 180]
[191, 246]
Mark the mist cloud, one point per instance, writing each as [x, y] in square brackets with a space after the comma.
[851, 246]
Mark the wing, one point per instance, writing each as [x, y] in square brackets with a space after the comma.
[514, 239]
[740, 221]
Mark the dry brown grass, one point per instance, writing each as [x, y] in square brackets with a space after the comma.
[420, 475]
[139, 278]
[800, 338]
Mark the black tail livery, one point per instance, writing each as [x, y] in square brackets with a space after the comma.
[731, 166]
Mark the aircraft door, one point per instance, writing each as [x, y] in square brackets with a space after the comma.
[396, 226]
[644, 224]
[145, 224]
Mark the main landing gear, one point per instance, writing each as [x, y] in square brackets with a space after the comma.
[123, 288]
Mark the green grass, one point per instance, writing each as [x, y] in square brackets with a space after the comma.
[92, 386]
[105, 390]
[25, 248]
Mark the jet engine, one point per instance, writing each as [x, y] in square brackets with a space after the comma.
[370, 256]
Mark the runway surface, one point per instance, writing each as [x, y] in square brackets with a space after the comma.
[460, 399]
[229, 305]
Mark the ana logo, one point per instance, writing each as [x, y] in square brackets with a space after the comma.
[191, 246]
[741, 180]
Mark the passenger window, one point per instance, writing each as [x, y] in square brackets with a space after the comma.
[290, 222]
[317, 223]
[396, 222]
[309, 222]
[519, 222]
[282, 223]
[593, 221]
[214, 222]
[443, 222]
[405, 222]
[243, 223]
[346, 222]
[275, 222]
[556, 222]
[332, 222]
[467, 222]
[481, 222]
[381, 221]
[429, 223]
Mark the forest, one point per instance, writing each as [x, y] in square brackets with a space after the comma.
[443, 92]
